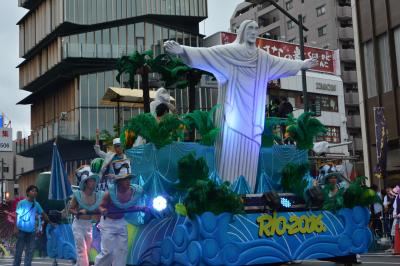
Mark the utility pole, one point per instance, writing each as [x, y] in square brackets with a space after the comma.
[302, 28]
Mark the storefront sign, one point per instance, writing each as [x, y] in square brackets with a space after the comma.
[279, 225]
[326, 58]
[325, 87]
[5, 139]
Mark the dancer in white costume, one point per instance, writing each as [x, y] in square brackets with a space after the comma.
[242, 71]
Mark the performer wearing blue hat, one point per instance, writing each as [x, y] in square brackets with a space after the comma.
[122, 196]
[84, 200]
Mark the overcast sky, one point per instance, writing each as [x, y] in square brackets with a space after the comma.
[219, 13]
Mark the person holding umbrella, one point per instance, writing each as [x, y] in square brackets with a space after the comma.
[84, 201]
[121, 197]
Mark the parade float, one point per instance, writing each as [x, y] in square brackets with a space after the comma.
[210, 222]
[233, 196]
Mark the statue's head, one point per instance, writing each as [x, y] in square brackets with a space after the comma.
[247, 32]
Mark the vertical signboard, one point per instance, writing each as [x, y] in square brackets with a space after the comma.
[5, 139]
[381, 142]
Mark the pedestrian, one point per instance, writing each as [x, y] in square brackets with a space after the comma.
[273, 107]
[377, 213]
[106, 172]
[85, 200]
[28, 213]
[396, 212]
[284, 110]
[121, 197]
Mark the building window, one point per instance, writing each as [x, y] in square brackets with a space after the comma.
[305, 38]
[5, 169]
[385, 70]
[332, 135]
[397, 49]
[322, 31]
[369, 68]
[302, 1]
[289, 4]
[327, 103]
[290, 24]
[320, 11]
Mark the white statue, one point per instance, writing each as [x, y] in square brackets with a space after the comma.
[242, 71]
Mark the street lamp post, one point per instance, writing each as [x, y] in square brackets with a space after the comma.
[302, 28]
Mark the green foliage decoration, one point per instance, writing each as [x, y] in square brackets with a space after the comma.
[304, 129]
[268, 137]
[207, 196]
[203, 122]
[357, 194]
[293, 178]
[203, 194]
[190, 170]
[162, 133]
[132, 64]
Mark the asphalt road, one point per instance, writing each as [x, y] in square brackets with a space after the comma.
[372, 259]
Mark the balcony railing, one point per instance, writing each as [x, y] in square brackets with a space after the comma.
[349, 76]
[351, 98]
[84, 50]
[344, 12]
[354, 121]
[346, 33]
[358, 146]
[347, 55]
[64, 129]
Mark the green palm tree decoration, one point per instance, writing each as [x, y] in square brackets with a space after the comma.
[203, 122]
[162, 133]
[303, 129]
[177, 74]
[137, 63]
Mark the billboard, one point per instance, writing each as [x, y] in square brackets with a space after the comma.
[5, 139]
[328, 59]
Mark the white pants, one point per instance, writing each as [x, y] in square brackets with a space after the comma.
[82, 230]
[114, 242]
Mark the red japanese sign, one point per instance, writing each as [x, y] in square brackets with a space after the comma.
[327, 59]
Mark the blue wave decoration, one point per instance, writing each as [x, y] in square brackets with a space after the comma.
[228, 239]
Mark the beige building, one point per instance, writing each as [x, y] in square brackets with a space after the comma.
[330, 27]
[13, 167]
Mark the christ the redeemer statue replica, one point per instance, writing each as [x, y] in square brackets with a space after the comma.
[242, 71]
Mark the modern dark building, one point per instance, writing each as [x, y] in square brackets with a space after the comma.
[377, 45]
[70, 49]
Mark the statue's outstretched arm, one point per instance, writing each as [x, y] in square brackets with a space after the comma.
[309, 63]
[172, 47]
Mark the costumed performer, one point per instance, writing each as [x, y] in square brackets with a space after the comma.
[84, 201]
[121, 197]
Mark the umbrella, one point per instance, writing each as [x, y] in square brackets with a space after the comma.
[59, 188]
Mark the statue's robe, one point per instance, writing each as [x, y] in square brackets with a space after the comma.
[242, 78]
